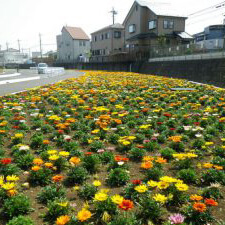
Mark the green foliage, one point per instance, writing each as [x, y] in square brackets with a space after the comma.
[87, 192]
[188, 176]
[136, 154]
[118, 177]
[16, 205]
[50, 193]
[76, 175]
[91, 163]
[213, 176]
[41, 177]
[167, 153]
[20, 220]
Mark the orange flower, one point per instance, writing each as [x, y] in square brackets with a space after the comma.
[75, 160]
[161, 160]
[46, 142]
[196, 197]
[147, 165]
[218, 167]
[200, 207]
[83, 215]
[175, 138]
[207, 165]
[126, 205]
[38, 161]
[62, 220]
[57, 178]
[211, 202]
[36, 168]
[11, 192]
[147, 158]
[48, 165]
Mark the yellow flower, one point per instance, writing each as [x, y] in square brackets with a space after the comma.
[76, 188]
[62, 220]
[1, 180]
[117, 199]
[18, 135]
[126, 143]
[8, 186]
[160, 198]
[181, 187]
[141, 188]
[168, 179]
[11, 192]
[95, 131]
[64, 153]
[100, 196]
[52, 152]
[106, 217]
[12, 178]
[163, 185]
[209, 143]
[83, 215]
[97, 183]
[53, 157]
[152, 183]
[63, 204]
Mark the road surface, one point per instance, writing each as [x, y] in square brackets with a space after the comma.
[12, 82]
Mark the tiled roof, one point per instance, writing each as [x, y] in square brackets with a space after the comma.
[114, 26]
[159, 8]
[76, 33]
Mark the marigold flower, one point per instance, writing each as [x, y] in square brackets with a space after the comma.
[38, 161]
[126, 205]
[6, 161]
[141, 188]
[64, 153]
[12, 178]
[36, 168]
[74, 160]
[160, 198]
[46, 142]
[196, 197]
[48, 165]
[8, 186]
[136, 182]
[62, 220]
[97, 183]
[117, 199]
[11, 192]
[100, 197]
[57, 178]
[181, 187]
[200, 207]
[211, 202]
[53, 157]
[160, 160]
[163, 185]
[147, 165]
[83, 215]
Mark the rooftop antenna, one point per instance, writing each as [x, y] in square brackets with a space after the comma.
[114, 12]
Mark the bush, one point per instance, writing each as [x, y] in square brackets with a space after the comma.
[76, 175]
[50, 193]
[167, 153]
[136, 154]
[40, 177]
[16, 205]
[87, 192]
[213, 176]
[91, 163]
[188, 176]
[20, 220]
[118, 177]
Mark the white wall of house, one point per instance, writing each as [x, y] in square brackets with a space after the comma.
[69, 50]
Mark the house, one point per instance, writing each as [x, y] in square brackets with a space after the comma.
[12, 56]
[211, 38]
[73, 45]
[107, 41]
[150, 24]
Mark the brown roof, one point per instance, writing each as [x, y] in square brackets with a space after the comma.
[76, 33]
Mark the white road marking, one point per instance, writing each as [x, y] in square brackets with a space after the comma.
[10, 75]
[19, 80]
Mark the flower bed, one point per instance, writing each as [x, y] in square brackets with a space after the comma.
[113, 148]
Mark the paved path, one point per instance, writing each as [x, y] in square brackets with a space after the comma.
[30, 79]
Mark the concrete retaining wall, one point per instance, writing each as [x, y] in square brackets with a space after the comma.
[211, 71]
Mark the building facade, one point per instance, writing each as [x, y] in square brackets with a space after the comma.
[73, 45]
[147, 22]
[12, 56]
[107, 41]
[212, 37]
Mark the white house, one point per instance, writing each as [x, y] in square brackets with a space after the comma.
[73, 45]
[12, 56]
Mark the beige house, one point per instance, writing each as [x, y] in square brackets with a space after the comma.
[149, 22]
[107, 41]
[73, 45]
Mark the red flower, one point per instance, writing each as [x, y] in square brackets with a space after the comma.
[210, 201]
[60, 131]
[15, 127]
[6, 161]
[167, 114]
[88, 153]
[136, 182]
[159, 123]
[196, 123]
[126, 205]
[172, 128]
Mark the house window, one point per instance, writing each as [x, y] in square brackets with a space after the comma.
[152, 24]
[132, 28]
[106, 35]
[80, 43]
[101, 36]
[136, 7]
[117, 34]
[95, 38]
[168, 24]
[84, 43]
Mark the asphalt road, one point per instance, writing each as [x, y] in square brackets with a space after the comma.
[43, 79]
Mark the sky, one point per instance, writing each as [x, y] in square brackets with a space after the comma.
[24, 19]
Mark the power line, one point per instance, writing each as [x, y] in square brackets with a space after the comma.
[217, 5]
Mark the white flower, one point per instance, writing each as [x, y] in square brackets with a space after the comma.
[198, 135]
[120, 163]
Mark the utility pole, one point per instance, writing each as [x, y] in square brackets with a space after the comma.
[18, 44]
[114, 12]
[7, 46]
[40, 45]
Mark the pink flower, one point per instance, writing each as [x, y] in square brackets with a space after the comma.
[176, 218]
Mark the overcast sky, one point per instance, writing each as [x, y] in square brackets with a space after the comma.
[25, 19]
